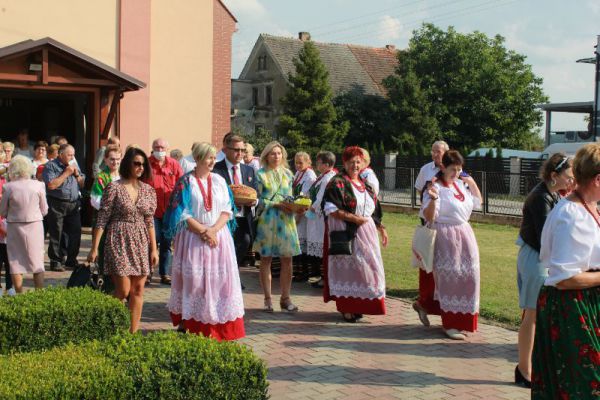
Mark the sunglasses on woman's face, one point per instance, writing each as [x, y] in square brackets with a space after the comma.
[138, 164]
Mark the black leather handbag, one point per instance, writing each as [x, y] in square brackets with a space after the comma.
[84, 276]
[340, 243]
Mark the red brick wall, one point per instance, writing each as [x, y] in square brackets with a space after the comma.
[223, 29]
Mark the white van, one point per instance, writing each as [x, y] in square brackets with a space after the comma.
[568, 148]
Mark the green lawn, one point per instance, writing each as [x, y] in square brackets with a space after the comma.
[498, 252]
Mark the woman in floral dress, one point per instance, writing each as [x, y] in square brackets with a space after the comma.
[276, 234]
[126, 213]
[206, 295]
[566, 352]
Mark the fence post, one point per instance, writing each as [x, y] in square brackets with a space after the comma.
[413, 191]
[484, 192]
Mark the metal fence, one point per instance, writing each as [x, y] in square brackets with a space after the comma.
[503, 193]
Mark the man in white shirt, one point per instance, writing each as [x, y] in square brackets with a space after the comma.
[430, 170]
[425, 304]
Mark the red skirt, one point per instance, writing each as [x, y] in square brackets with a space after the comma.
[231, 330]
[347, 305]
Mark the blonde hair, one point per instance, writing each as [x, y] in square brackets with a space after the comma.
[202, 150]
[268, 149]
[20, 167]
[249, 149]
[586, 164]
[304, 155]
[2, 154]
[8, 145]
[366, 156]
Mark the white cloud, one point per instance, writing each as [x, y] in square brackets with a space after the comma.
[390, 28]
[594, 6]
[251, 8]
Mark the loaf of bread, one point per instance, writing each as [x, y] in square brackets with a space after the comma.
[243, 193]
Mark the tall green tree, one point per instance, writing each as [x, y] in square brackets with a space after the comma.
[467, 89]
[309, 121]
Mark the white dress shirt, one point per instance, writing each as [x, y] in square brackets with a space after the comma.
[426, 174]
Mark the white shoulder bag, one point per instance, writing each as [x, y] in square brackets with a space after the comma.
[422, 247]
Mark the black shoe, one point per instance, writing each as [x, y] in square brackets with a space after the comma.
[351, 319]
[243, 287]
[520, 379]
[56, 267]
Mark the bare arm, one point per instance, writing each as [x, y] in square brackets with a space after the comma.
[59, 180]
[584, 280]
[349, 217]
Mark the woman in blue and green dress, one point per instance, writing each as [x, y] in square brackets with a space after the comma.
[276, 234]
[110, 173]
[566, 353]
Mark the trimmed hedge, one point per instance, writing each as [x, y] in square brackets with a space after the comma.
[156, 366]
[43, 319]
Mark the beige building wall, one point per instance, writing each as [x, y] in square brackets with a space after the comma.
[181, 72]
[90, 26]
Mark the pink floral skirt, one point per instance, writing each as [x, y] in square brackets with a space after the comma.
[206, 293]
[456, 269]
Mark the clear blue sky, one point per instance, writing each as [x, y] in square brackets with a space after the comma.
[551, 33]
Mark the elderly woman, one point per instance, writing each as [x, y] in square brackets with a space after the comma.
[367, 173]
[9, 148]
[276, 234]
[24, 205]
[566, 353]
[303, 180]
[23, 148]
[127, 215]
[39, 154]
[447, 206]
[249, 158]
[557, 176]
[315, 226]
[354, 273]
[206, 296]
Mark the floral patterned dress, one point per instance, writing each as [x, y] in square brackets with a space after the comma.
[126, 224]
[276, 234]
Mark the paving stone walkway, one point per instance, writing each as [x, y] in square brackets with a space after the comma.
[314, 355]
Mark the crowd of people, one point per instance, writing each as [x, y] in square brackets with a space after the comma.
[178, 213]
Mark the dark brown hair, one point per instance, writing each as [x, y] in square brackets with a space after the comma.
[39, 144]
[126, 167]
[229, 140]
[558, 162]
[452, 157]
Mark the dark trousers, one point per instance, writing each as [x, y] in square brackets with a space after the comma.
[242, 239]
[4, 264]
[64, 217]
[165, 253]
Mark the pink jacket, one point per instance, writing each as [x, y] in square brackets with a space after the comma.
[23, 200]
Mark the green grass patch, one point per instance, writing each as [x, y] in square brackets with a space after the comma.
[498, 253]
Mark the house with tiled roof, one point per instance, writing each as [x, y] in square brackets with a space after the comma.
[264, 79]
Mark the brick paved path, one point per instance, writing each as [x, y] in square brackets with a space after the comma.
[314, 355]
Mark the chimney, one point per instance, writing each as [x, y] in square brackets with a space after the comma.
[390, 47]
[304, 36]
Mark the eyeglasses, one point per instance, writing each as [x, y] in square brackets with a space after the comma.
[116, 160]
[237, 150]
[138, 164]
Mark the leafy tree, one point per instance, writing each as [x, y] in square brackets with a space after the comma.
[368, 117]
[258, 139]
[309, 121]
[465, 88]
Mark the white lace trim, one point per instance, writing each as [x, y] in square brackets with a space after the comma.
[197, 308]
[315, 249]
[462, 304]
[352, 289]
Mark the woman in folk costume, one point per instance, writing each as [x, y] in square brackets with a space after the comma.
[303, 180]
[447, 205]
[110, 173]
[206, 296]
[356, 281]
[315, 227]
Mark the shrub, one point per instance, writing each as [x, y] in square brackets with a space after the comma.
[62, 373]
[175, 366]
[51, 317]
[156, 366]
